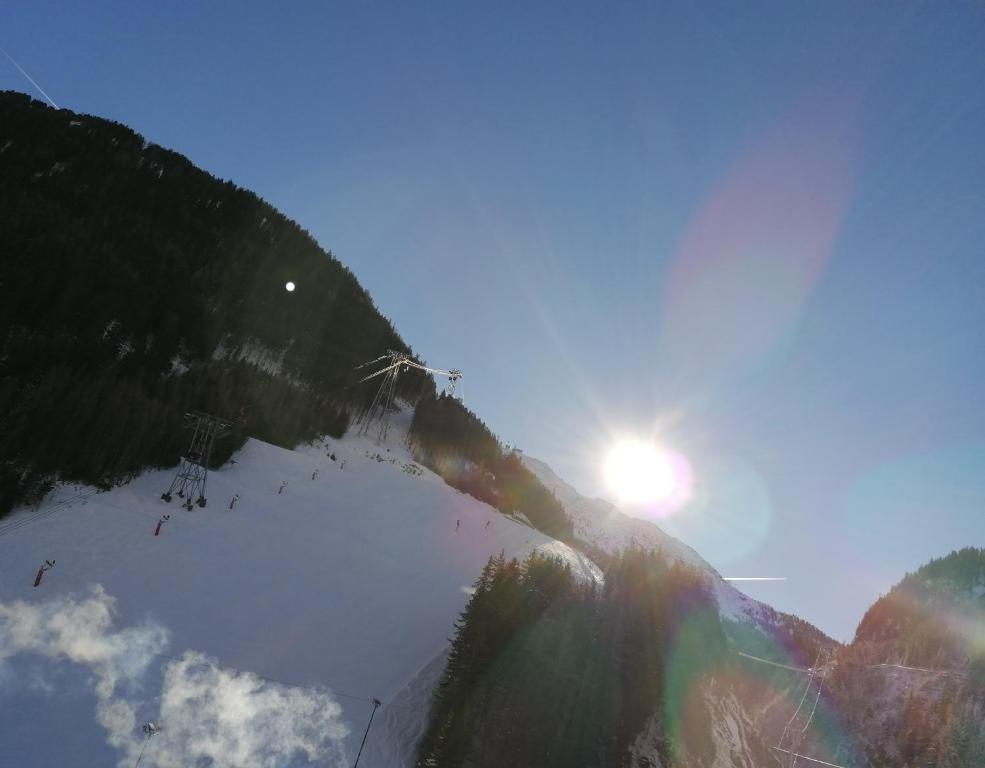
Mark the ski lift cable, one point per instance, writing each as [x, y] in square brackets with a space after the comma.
[374, 375]
[19, 522]
[371, 362]
[402, 359]
[454, 372]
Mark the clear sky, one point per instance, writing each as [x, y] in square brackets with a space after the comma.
[756, 231]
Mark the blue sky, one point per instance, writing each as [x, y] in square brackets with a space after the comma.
[753, 230]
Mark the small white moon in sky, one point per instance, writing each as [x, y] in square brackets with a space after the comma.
[289, 286]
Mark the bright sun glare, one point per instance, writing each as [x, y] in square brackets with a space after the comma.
[639, 472]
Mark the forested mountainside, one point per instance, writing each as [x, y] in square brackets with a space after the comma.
[908, 692]
[546, 670]
[927, 620]
[911, 686]
[135, 287]
[647, 671]
[457, 445]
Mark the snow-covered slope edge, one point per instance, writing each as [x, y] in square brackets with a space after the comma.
[349, 579]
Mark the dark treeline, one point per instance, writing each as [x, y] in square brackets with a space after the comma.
[455, 443]
[102, 429]
[546, 671]
[134, 286]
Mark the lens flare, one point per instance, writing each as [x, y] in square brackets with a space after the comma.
[639, 472]
[731, 511]
[753, 252]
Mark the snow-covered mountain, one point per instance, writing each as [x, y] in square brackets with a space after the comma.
[348, 580]
[604, 526]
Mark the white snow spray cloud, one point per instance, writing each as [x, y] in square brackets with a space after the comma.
[81, 631]
[237, 719]
[209, 715]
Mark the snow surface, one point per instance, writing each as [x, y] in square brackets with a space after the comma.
[350, 582]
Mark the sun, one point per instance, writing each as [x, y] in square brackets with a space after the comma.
[639, 472]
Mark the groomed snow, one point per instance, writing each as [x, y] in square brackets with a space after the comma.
[350, 581]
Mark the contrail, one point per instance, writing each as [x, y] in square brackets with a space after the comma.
[754, 578]
[33, 81]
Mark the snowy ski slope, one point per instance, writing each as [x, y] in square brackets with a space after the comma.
[349, 582]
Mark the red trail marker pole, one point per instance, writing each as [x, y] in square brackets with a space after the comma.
[46, 565]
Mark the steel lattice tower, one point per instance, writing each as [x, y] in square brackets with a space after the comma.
[379, 410]
[393, 364]
[193, 470]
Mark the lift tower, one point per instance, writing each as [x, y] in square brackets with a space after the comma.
[193, 470]
[393, 364]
